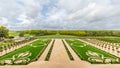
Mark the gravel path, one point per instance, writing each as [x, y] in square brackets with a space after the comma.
[42, 57]
[59, 53]
[60, 59]
[75, 56]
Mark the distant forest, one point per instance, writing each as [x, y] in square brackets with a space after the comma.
[4, 32]
[73, 32]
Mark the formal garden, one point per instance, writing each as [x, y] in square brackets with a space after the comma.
[26, 54]
[24, 47]
[92, 54]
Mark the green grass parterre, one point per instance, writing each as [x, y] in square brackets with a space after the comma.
[26, 54]
[93, 55]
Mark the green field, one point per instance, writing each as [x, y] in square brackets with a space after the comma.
[92, 54]
[13, 33]
[26, 54]
[28, 35]
[58, 36]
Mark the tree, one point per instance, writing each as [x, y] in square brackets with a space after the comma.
[4, 32]
[21, 34]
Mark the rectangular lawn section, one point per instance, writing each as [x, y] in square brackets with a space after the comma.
[26, 54]
[91, 54]
[58, 36]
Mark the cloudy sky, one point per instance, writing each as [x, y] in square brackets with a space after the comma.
[60, 14]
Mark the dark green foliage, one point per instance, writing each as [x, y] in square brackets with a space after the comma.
[74, 32]
[21, 34]
[3, 32]
[49, 52]
[68, 52]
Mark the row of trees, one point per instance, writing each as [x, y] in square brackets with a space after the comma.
[4, 32]
[41, 32]
[90, 32]
[73, 32]
[37, 32]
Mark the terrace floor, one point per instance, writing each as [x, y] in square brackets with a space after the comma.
[60, 59]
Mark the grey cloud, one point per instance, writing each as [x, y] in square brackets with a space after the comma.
[62, 14]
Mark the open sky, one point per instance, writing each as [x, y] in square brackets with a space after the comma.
[60, 14]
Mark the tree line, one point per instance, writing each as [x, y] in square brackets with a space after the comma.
[74, 32]
[92, 32]
[4, 32]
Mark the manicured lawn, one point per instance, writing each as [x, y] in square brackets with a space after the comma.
[26, 54]
[28, 35]
[91, 54]
[58, 36]
[13, 33]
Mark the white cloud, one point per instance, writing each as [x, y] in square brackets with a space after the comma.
[4, 21]
[60, 14]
